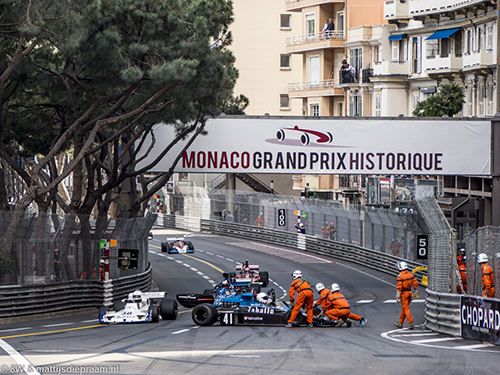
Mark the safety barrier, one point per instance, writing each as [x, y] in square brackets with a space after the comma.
[17, 301]
[442, 313]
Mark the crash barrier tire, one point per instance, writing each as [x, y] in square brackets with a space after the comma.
[31, 300]
[204, 314]
[298, 320]
[168, 309]
[155, 318]
[264, 278]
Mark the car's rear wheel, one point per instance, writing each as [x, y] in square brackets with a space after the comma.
[170, 246]
[204, 314]
[155, 318]
[164, 247]
[264, 278]
[190, 245]
[298, 320]
[118, 306]
[168, 309]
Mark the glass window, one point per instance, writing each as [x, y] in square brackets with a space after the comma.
[377, 105]
[431, 48]
[285, 21]
[284, 101]
[285, 61]
[310, 29]
[355, 105]
[314, 110]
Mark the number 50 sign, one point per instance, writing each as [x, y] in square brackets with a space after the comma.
[422, 246]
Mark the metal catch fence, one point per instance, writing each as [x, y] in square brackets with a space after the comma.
[47, 248]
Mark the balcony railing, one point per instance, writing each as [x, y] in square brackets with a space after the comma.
[348, 77]
[313, 85]
[316, 37]
[366, 74]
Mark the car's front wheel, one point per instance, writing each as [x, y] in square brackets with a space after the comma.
[168, 309]
[155, 318]
[204, 314]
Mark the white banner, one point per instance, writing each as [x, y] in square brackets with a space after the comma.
[324, 146]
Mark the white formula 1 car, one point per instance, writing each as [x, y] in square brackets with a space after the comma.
[178, 245]
[138, 308]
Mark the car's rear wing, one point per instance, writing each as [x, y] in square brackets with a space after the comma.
[154, 295]
[191, 300]
[251, 266]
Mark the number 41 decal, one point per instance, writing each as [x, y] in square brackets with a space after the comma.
[227, 319]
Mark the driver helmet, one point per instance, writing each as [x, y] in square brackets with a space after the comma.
[402, 266]
[262, 297]
[335, 287]
[482, 258]
[225, 284]
[247, 270]
[319, 287]
[137, 296]
[296, 275]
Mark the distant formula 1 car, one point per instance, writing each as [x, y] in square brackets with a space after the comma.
[139, 308]
[249, 274]
[179, 245]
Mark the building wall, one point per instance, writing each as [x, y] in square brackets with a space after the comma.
[258, 42]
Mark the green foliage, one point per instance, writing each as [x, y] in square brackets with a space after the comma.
[447, 102]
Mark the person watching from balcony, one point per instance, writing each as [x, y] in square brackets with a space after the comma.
[325, 28]
[331, 29]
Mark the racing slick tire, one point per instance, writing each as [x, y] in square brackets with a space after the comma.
[204, 314]
[208, 292]
[118, 306]
[155, 318]
[190, 245]
[264, 278]
[168, 309]
[164, 247]
[298, 320]
[102, 310]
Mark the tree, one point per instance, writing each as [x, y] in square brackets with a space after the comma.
[90, 81]
[447, 102]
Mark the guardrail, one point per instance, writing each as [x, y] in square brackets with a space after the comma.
[17, 301]
[442, 312]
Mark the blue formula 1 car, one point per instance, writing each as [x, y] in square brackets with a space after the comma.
[230, 306]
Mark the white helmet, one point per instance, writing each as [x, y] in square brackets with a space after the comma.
[296, 275]
[482, 258]
[402, 266]
[261, 297]
[137, 295]
[319, 287]
[335, 287]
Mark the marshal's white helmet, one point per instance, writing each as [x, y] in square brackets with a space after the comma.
[262, 297]
[296, 275]
[482, 258]
[402, 266]
[335, 287]
[319, 287]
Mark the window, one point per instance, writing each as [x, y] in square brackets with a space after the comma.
[376, 54]
[340, 109]
[314, 70]
[355, 105]
[285, 62]
[284, 102]
[444, 47]
[310, 30]
[431, 48]
[285, 21]
[314, 110]
[456, 44]
[399, 51]
[489, 37]
[377, 105]
[468, 46]
[417, 55]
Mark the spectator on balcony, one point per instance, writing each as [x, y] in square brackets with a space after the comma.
[348, 72]
[325, 28]
[331, 29]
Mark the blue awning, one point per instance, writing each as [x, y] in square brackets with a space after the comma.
[396, 37]
[443, 34]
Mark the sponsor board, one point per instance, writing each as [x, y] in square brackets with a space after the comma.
[480, 319]
[245, 144]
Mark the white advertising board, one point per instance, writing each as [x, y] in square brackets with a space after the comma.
[332, 146]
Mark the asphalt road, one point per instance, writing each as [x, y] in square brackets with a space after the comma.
[78, 344]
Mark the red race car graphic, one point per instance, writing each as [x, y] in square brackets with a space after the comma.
[304, 137]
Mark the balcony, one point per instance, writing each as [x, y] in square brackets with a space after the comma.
[396, 11]
[316, 41]
[443, 64]
[478, 59]
[328, 87]
[419, 9]
[298, 5]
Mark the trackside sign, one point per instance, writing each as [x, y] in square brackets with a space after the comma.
[480, 319]
[243, 144]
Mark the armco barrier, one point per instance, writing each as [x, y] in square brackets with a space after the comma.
[16, 301]
[442, 310]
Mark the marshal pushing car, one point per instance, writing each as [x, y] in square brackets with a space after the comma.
[140, 307]
[178, 245]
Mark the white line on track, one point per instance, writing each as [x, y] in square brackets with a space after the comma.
[365, 301]
[56, 325]
[15, 329]
[19, 358]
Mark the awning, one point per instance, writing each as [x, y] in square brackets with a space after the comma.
[443, 34]
[396, 37]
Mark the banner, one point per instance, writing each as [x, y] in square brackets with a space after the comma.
[245, 144]
[480, 319]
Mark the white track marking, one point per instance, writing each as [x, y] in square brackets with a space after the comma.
[19, 358]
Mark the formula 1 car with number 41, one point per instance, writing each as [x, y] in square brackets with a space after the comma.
[140, 307]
